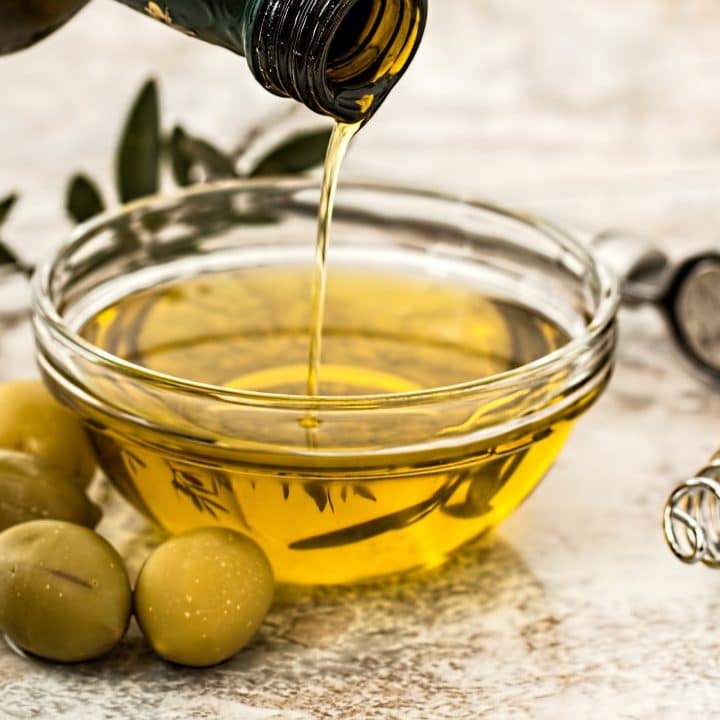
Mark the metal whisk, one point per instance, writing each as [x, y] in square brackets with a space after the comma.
[691, 519]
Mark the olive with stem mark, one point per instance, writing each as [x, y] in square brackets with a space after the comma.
[64, 591]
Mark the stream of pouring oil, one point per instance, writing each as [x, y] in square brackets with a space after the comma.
[340, 140]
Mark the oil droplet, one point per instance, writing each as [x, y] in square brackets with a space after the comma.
[310, 422]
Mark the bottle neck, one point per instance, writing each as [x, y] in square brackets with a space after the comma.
[339, 57]
[220, 22]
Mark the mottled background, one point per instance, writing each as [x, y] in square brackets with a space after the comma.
[597, 114]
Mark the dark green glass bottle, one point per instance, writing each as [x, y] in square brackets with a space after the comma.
[25, 22]
[339, 57]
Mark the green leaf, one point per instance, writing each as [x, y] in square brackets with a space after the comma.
[296, 155]
[6, 205]
[138, 155]
[364, 492]
[318, 493]
[485, 483]
[380, 525]
[8, 257]
[188, 152]
[83, 199]
[180, 159]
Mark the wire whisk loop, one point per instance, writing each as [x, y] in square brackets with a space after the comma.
[691, 519]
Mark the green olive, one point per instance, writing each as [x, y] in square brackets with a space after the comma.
[201, 596]
[31, 490]
[32, 421]
[64, 591]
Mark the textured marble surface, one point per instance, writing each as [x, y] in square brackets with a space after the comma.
[595, 113]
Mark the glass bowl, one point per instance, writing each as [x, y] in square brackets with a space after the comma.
[378, 476]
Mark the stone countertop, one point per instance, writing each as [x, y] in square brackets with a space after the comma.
[597, 114]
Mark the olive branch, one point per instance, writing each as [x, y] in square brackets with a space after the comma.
[144, 151]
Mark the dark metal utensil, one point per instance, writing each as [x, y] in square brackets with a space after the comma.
[687, 294]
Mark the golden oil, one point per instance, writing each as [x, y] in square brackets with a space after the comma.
[345, 511]
[340, 140]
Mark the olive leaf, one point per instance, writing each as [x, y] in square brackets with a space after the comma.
[298, 154]
[7, 255]
[138, 155]
[181, 160]
[364, 492]
[203, 496]
[83, 199]
[380, 525]
[6, 205]
[319, 494]
[486, 481]
[188, 152]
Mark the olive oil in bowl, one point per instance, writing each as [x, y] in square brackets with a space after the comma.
[459, 345]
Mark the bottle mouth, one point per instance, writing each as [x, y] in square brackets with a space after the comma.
[340, 58]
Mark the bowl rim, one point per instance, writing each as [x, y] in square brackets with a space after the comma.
[46, 316]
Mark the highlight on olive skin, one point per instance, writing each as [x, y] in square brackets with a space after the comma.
[201, 596]
[64, 591]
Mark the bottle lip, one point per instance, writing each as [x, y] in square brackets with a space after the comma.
[290, 55]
